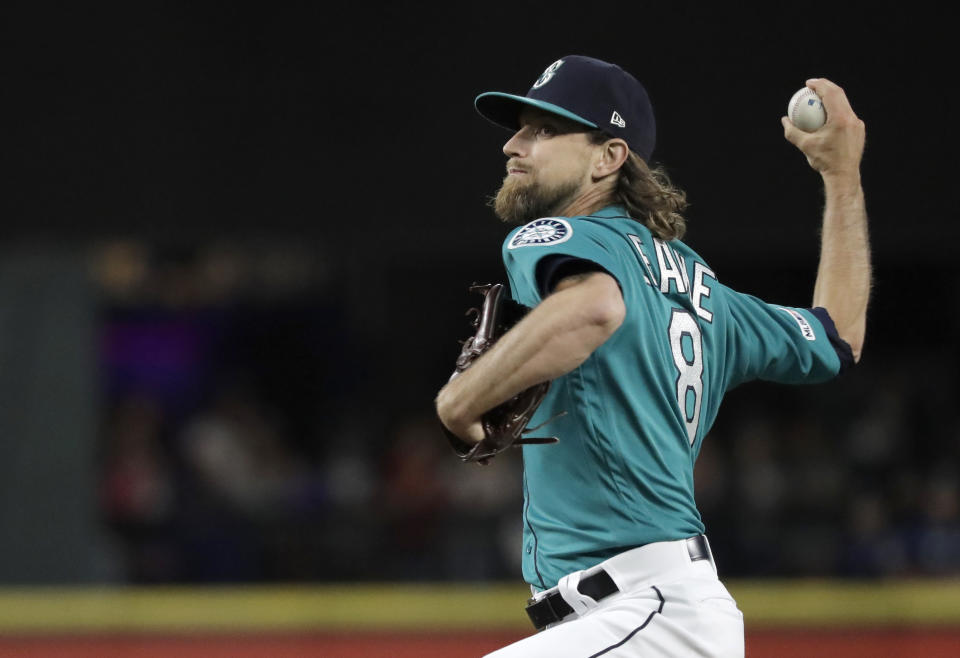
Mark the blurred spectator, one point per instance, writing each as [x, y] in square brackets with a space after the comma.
[240, 479]
[415, 499]
[449, 520]
[938, 540]
[485, 526]
[760, 479]
[875, 434]
[872, 546]
[138, 487]
[238, 457]
[347, 539]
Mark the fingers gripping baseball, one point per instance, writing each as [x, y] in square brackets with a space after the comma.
[837, 147]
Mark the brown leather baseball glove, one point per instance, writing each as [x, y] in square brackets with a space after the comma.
[505, 424]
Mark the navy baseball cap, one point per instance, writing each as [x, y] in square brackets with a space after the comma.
[585, 90]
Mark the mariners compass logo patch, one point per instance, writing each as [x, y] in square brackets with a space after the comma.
[549, 230]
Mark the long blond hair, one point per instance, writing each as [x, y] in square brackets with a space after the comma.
[648, 195]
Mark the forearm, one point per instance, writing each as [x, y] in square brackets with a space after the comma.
[553, 339]
[844, 273]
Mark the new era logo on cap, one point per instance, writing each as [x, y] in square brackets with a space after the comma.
[589, 91]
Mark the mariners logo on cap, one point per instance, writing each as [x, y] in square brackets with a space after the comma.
[549, 230]
[547, 74]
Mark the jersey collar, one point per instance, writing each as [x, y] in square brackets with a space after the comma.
[610, 212]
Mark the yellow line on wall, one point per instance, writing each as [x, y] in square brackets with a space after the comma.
[825, 603]
[325, 608]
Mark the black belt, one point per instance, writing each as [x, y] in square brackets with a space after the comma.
[552, 608]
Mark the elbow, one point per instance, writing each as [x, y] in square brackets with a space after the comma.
[608, 312]
[856, 347]
[854, 337]
[609, 315]
[603, 305]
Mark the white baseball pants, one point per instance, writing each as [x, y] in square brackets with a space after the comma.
[668, 605]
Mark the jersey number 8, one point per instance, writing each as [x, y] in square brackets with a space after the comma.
[687, 349]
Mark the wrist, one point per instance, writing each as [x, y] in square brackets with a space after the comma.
[841, 182]
[469, 433]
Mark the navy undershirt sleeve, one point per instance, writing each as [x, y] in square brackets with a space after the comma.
[840, 346]
[551, 269]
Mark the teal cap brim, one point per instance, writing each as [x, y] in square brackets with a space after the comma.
[504, 109]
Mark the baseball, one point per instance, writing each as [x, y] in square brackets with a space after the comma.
[806, 110]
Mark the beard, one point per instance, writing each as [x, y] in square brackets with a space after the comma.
[519, 201]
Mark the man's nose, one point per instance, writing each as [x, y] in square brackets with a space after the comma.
[515, 146]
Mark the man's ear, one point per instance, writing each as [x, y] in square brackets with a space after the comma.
[613, 153]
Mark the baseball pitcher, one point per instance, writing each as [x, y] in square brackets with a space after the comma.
[629, 344]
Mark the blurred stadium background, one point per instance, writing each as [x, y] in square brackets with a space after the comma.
[236, 251]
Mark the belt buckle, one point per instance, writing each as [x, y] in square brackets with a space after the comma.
[541, 612]
[698, 548]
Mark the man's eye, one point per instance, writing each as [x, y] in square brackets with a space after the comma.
[546, 130]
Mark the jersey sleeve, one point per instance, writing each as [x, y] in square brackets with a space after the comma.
[538, 252]
[780, 343]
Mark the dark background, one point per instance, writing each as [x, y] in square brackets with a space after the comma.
[355, 122]
[331, 155]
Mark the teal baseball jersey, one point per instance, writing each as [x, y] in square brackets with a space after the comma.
[638, 408]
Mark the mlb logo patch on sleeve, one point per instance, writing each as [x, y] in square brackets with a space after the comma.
[805, 327]
[548, 230]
